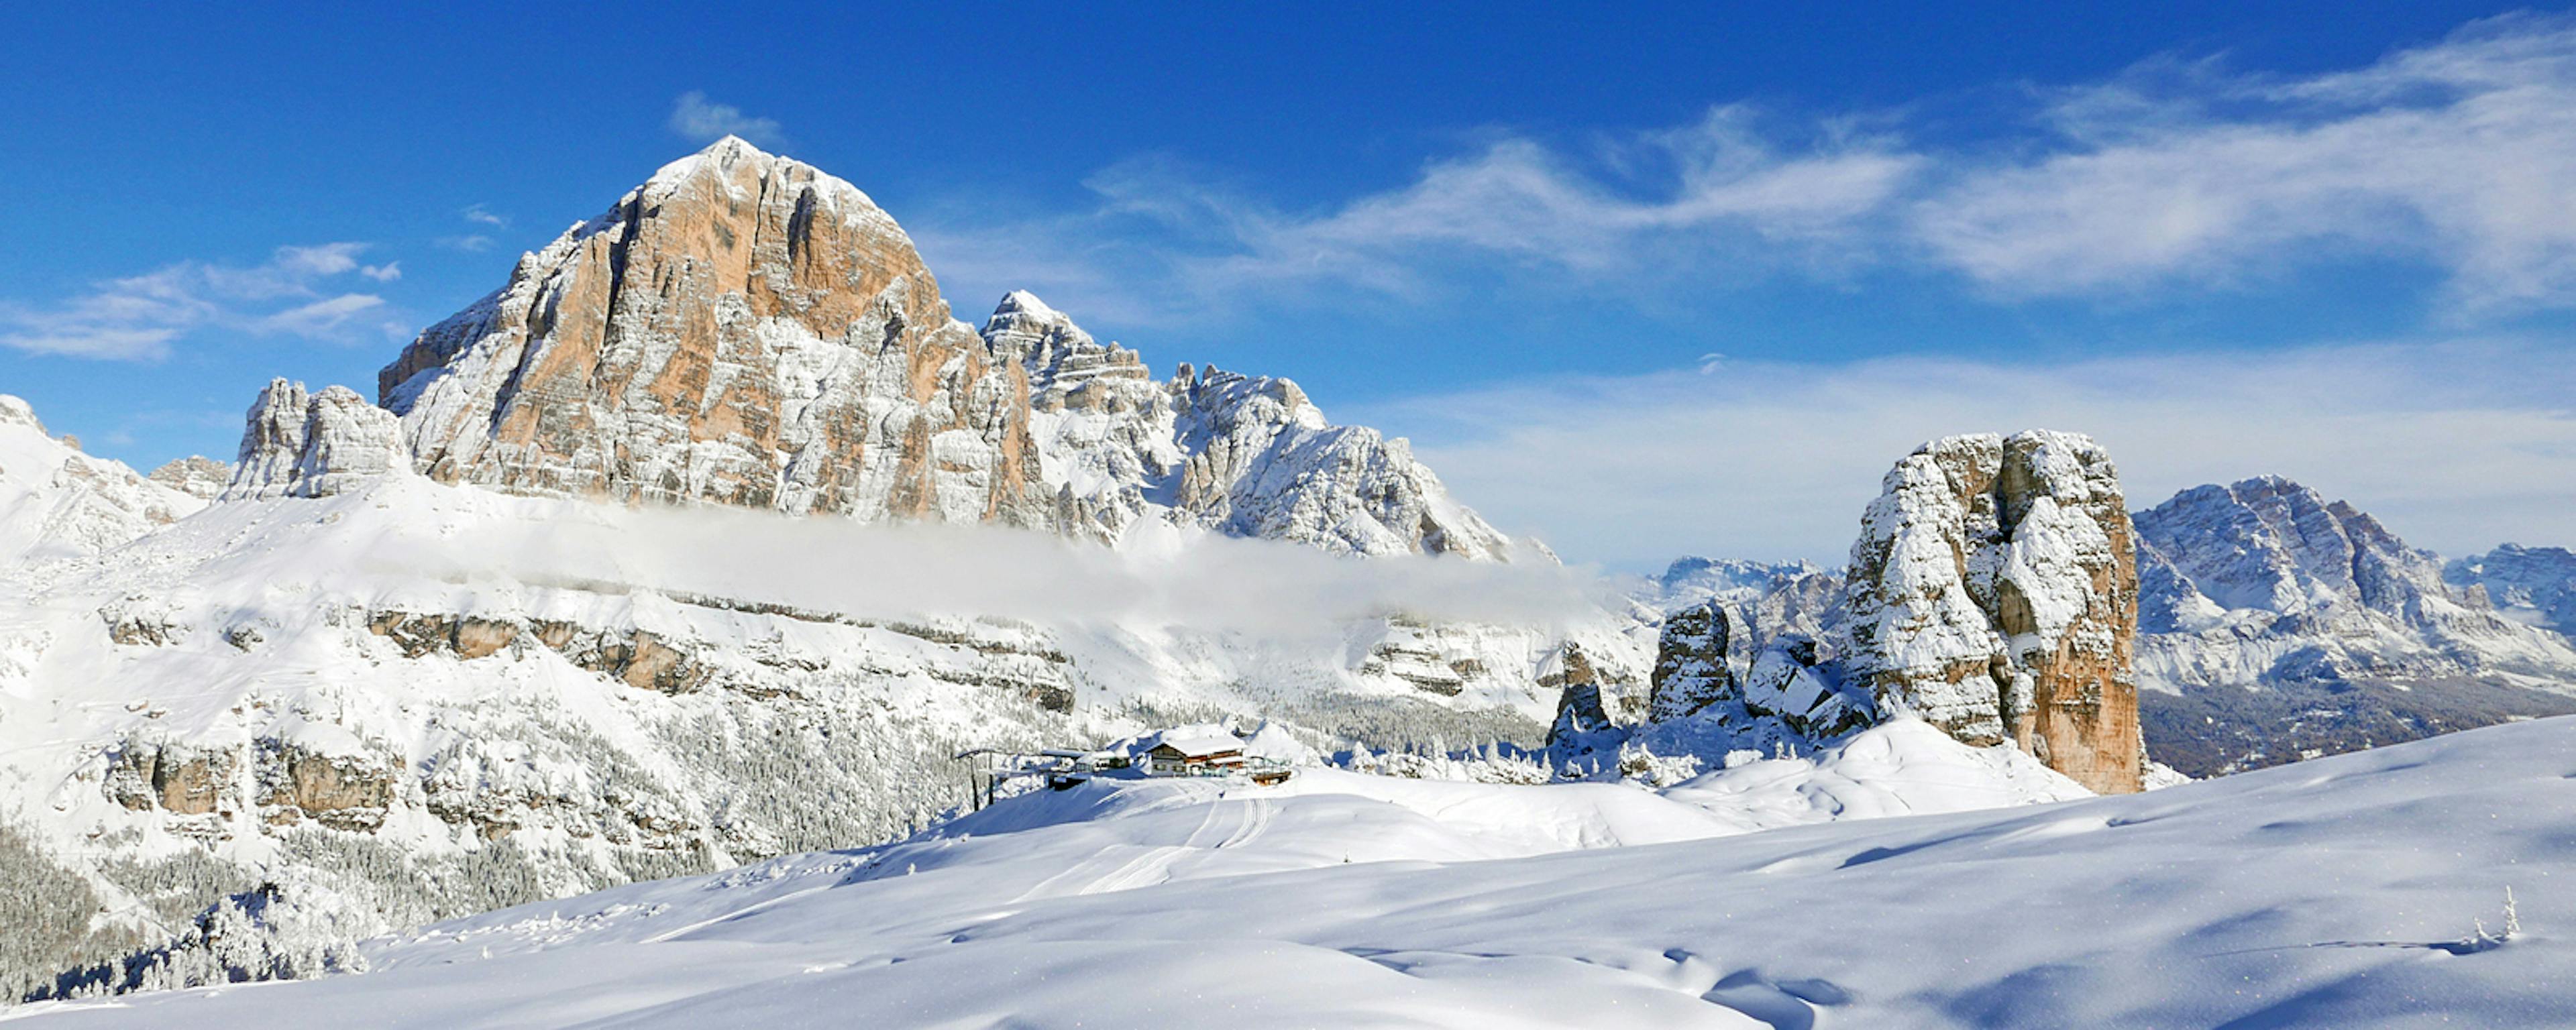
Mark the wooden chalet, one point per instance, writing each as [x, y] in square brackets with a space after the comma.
[1195, 755]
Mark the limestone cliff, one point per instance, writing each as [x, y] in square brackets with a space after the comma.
[299, 444]
[742, 329]
[1994, 592]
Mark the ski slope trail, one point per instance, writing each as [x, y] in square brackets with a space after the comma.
[1224, 822]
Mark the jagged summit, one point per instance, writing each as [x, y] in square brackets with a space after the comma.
[2266, 580]
[15, 411]
[297, 443]
[745, 329]
[1239, 454]
[741, 329]
[2534, 584]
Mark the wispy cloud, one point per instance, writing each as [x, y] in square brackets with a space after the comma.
[481, 215]
[139, 317]
[2180, 175]
[471, 244]
[2458, 445]
[1717, 189]
[698, 119]
[2460, 155]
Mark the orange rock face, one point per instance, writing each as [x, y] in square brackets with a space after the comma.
[1994, 592]
[744, 330]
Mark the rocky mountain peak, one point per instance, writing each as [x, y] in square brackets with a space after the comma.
[1993, 592]
[744, 329]
[2270, 544]
[1066, 367]
[15, 411]
[314, 444]
[741, 329]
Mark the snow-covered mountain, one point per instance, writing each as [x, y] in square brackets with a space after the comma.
[2536, 585]
[410, 665]
[2277, 624]
[1243, 455]
[2273, 625]
[56, 502]
[745, 329]
[2409, 886]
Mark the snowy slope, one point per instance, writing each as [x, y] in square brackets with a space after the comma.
[56, 502]
[366, 695]
[2331, 894]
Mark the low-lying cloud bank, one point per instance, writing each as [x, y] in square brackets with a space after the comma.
[2458, 446]
[1161, 577]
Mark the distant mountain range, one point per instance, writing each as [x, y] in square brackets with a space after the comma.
[2273, 625]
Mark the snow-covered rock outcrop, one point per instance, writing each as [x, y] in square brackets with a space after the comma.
[195, 475]
[1786, 692]
[1993, 591]
[299, 444]
[1691, 663]
[58, 502]
[742, 329]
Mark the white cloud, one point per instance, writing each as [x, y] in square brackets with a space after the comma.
[90, 342]
[139, 317]
[1183, 578]
[1722, 183]
[474, 244]
[322, 318]
[2458, 446]
[1163, 241]
[481, 215]
[384, 273]
[698, 119]
[2460, 155]
[292, 266]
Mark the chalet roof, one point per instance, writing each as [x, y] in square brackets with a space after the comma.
[1199, 744]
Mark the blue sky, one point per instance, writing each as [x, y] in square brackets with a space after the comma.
[1665, 279]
